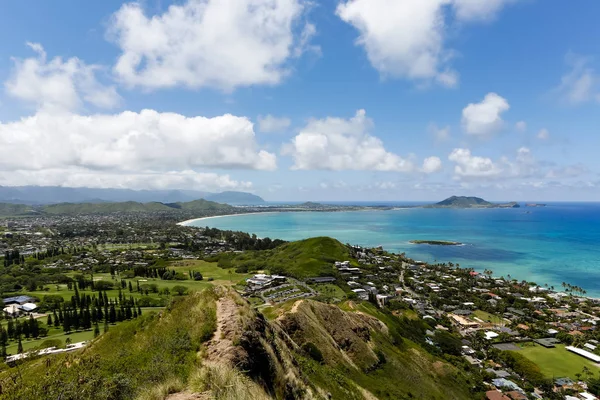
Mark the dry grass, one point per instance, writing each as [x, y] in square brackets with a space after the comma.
[162, 390]
[226, 383]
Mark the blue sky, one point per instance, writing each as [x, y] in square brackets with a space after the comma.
[297, 100]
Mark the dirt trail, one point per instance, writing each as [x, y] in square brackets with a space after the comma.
[221, 347]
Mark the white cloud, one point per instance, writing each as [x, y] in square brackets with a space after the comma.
[129, 142]
[543, 134]
[521, 126]
[439, 134]
[271, 124]
[81, 177]
[56, 85]
[581, 84]
[431, 165]
[216, 43]
[405, 38]
[470, 166]
[470, 10]
[343, 144]
[485, 118]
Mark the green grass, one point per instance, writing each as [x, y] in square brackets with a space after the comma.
[221, 276]
[487, 317]
[301, 259]
[208, 270]
[557, 362]
[133, 357]
[329, 291]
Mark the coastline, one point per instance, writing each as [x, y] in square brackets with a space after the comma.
[187, 222]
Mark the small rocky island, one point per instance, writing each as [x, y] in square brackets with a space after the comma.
[436, 242]
[470, 202]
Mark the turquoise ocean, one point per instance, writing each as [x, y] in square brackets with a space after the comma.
[548, 245]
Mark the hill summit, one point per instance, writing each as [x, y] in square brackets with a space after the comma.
[471, 202]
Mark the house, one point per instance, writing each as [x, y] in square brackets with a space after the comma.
[495, 395]
[361, 293]
[322, 279]
[16, 310]
[584, 353]
[502, 383]
[262, 281]
[18, 300]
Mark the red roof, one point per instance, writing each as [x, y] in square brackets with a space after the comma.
[495, 395]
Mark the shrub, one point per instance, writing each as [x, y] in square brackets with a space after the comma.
[103, 285]
[313, 351]
[179, 290]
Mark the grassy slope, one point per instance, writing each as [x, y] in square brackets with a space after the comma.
[9, 210]
[132, 206]
[301, 259]
[133, 357]
[353, 346]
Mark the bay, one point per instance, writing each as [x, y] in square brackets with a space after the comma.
[548, 245]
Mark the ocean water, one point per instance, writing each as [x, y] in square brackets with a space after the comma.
[549, 245]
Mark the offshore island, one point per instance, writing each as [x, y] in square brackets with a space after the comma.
[436, 242]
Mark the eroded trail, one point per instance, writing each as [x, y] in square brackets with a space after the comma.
[221, 347]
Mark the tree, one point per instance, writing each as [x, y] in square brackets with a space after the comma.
[179, 289]
[20, 346]
[96, 330]
[49, 320]
[105, 325]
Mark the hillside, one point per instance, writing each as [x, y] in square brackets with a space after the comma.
[40, 195]
[301, 259]
[213, 345]
[192, 207]
[470, 202]
[235, 198]
[12, 210]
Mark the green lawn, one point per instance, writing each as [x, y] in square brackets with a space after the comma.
[329, 291]
[208, 270]
[557, 362]
[487, 317]
[221, 276]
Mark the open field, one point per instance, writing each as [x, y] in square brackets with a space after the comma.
[329, 291]
[221, 276]
[208, 270]
[557, 362]
[487, 317]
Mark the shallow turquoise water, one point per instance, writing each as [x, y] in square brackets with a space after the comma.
[554, 244]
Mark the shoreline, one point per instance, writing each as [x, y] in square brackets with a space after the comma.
[187, 222]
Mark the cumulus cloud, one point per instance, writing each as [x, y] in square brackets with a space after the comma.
[543, 134]
[216, 43]
[129, 142]
[405, 39]
[485, 118]
[468, 165]
[471, 167]
[431, 165]
[439, 134]
[581, 84]
[57, 84]
[343, 144]
[271, 124]
[473, 10]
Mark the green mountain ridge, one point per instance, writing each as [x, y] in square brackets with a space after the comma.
[301, 259]
[201, 206]
[213, 345]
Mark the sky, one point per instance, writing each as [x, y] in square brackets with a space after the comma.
[371, 100]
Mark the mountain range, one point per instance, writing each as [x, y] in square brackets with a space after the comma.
[40, 195]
